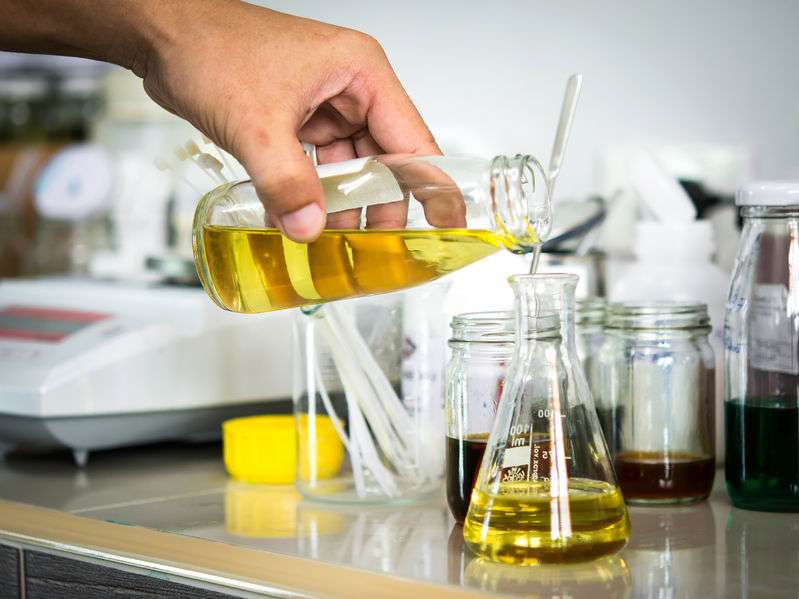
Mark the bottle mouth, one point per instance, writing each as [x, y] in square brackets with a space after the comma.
[484, 327]
[500, 327]
[591, 310]
[520, 201]
[657, 315]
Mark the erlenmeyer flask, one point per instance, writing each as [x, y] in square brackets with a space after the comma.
[546, 491]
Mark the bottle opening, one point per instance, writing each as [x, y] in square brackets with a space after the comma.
[591, 310]
[521, 201]
[657, 315]
[500, 327]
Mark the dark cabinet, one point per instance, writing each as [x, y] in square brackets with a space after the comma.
[54, 577]
[9, 572]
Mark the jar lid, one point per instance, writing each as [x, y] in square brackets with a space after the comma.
[657, 315]
[768, 193]
[500, 327]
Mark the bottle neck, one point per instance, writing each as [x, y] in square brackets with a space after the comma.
[770, 211]
[544, 306]
[521, 207]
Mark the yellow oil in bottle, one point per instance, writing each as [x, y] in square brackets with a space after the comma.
[525, 524]
[258, 270]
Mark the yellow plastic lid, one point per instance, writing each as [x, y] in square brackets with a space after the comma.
[263, 449]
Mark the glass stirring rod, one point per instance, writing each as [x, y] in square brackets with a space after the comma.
[562, 133]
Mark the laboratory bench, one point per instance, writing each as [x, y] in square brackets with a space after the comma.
[165, 521]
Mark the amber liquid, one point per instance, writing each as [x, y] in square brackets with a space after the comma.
[258, 270]
[464, 457]
[525, 524]
[645, 477]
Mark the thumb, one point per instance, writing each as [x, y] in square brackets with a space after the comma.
[285, 180]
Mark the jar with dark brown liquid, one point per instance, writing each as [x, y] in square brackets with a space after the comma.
[482, 347]
[658, 390]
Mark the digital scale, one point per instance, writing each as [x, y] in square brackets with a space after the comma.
[91, 365]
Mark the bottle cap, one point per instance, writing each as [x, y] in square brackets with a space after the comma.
[263, 449]
[768, 193]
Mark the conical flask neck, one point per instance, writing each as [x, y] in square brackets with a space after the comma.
[544, 303]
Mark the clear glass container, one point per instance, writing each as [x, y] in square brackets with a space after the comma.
[658, 400]
[482, 345]
[348, 365]
[761, 341]
[590, 335]
[393, 222]
[546, 490]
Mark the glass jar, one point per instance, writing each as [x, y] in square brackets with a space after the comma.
[393, 222]
[590, 335]
[482, 346]
[761, 341]
[658, 400]
[348, 366]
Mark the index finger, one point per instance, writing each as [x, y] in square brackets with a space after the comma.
[395, 123]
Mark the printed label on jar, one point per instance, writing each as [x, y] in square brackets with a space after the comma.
[772, 338]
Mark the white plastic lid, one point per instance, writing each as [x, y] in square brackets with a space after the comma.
[692, 239]
[768, 193]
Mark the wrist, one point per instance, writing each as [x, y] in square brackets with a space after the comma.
[143, 32]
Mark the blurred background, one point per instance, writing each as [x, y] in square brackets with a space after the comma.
[713, 90]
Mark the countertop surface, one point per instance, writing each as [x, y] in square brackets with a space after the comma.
[706, 550]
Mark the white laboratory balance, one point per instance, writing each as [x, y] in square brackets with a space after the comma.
[91, 365]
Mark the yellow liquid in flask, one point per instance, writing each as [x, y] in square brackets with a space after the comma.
[524, 524]
[258, 270]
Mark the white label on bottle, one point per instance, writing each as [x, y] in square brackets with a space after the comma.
[358, 184]
[336, 169]
[772, 336]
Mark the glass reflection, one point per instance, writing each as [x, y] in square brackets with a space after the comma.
[407, 542]
[607, 577]
[762, 554]
[672, 552]
[261, 511]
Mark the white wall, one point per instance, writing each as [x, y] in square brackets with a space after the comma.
[492, 74]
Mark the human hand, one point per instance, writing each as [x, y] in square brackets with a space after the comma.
[256, 81]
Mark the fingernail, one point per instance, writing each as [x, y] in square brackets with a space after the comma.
[303, 224]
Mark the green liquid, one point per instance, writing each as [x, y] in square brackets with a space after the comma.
[762, 453]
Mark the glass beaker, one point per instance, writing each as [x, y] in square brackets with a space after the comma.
[546, 491]
[393, 222]
[659, 397]
[482, 346]
[761, 342]
[348, 367]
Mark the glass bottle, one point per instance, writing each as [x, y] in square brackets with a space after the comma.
[761, 341]
[393, 222]
[659, 397]
[347, 372]
[482, 346]
[546, 491]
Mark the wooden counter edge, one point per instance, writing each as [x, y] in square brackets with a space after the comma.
[212, 562]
